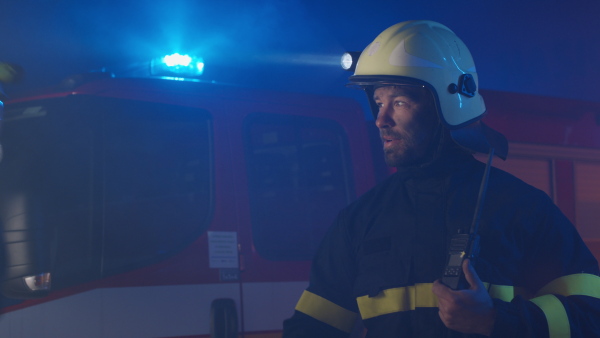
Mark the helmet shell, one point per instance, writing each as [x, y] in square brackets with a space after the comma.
[430, 54]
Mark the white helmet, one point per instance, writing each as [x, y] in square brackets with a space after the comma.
[429, 54]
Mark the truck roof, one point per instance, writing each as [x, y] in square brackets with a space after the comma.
[170, 90]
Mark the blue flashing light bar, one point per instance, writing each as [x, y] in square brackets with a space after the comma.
[177, 65]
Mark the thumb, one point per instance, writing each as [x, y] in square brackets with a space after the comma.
[471, 275]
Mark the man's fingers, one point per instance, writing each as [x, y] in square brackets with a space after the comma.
[439, 289]
[471, 275]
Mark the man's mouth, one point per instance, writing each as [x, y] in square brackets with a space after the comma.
[388, 140]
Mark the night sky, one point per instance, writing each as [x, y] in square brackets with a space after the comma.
[549, 48]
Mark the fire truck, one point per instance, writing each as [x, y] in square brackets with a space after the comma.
[165, 206]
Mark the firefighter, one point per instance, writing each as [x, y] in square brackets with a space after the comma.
[382, 259]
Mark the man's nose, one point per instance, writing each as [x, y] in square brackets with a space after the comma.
[384, 117]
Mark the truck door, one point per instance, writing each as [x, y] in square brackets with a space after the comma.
[298, 173]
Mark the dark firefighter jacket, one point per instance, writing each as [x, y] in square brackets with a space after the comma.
[384, 251]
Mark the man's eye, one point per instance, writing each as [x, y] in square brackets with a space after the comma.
[399, 103]
[379, 104]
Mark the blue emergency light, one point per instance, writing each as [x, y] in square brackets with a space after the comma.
[177, 65]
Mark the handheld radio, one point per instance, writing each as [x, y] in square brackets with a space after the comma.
[463, 246]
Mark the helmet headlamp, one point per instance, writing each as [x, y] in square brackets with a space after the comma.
[349, 60]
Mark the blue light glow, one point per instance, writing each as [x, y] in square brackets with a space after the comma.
[177, 65]
[177, 59]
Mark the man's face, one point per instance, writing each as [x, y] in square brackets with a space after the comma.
[407, 121]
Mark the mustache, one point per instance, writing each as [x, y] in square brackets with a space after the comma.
[389, 134]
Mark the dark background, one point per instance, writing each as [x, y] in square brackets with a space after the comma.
[549, 47]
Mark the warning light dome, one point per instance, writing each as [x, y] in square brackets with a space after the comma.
[177, 65]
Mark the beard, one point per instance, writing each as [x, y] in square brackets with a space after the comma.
[410, 151]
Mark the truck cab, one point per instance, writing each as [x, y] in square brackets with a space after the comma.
[149, 199]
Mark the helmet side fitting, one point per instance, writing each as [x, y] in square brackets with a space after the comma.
[428, 54]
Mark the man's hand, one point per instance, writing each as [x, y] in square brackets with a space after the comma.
[466, 311]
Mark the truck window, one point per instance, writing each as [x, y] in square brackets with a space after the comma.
[105, 185]
[587, 199]
[46, 187]
[299, 177]
[534, 171]
[157, 178]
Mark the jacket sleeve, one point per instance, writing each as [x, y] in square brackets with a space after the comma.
[327, 308]
[562, 277]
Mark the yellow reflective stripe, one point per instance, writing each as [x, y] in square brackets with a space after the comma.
[328, 312]
[502, 292]
[506, 292]
[558, 321]
[581, 284]
[396, 300]
[419, 295]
